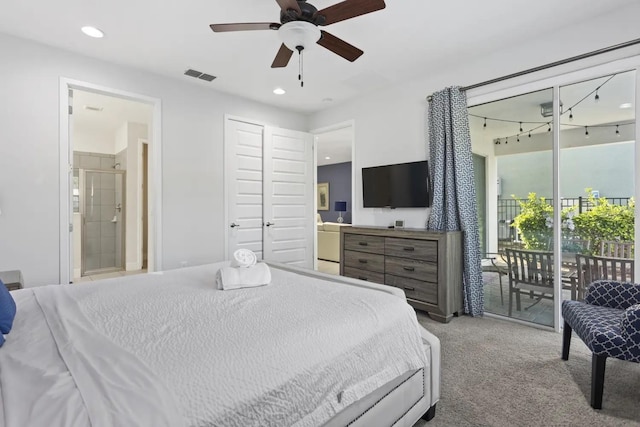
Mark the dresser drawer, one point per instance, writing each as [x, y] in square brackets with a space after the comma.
[424, 250]
[364, 243]
[369, 276]
[414, 289]
[405, 267]
[364, 260]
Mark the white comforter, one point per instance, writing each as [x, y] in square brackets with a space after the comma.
[170, 349]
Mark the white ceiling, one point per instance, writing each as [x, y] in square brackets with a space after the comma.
[115, 112]
[406, 40]
[334, 146]
[613, 93]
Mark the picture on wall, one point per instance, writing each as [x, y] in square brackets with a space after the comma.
[323, 196]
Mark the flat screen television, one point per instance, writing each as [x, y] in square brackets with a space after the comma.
[402, 185]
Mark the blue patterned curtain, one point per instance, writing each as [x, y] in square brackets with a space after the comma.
[454, 194]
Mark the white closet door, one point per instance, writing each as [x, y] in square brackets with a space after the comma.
[243, 186]
[288, 197]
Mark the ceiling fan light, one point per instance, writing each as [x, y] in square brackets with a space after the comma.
[299, 33]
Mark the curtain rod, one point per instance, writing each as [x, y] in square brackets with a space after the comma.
[551, 65]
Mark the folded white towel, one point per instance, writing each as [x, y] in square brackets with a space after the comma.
[244, 258]
[237, 278]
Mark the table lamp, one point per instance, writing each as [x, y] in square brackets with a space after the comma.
[341, 207]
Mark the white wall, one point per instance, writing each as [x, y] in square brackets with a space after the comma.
[390, 125]
[92, 141]
[135, 131]
[192, 168]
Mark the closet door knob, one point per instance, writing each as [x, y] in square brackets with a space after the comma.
[269, 224]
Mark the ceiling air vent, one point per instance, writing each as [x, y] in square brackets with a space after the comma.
[199, 75]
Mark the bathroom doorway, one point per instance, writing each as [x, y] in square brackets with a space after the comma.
[111, 144]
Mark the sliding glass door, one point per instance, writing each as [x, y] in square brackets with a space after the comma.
[560, 185]
[597, 170]
[517, 133]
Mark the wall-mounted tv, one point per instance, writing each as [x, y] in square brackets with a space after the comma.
[403, 185]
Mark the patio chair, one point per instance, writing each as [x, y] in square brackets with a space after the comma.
[591, 268]
[612, 248]
[494, 262]
[608, 321]
[529, 272]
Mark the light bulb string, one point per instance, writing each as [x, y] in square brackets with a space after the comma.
[570, 110]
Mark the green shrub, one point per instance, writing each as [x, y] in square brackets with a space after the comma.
[603, 221]
[535, 222]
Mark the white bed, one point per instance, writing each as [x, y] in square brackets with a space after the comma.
[168, 349]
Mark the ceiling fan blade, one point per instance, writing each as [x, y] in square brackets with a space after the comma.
[339, 46]
[221, 28]
[289, 4]
[350, 9]
[282, 57]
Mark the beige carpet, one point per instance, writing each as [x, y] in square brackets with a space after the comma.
[496, 373]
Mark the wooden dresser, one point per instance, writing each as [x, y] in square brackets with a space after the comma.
[427, 265]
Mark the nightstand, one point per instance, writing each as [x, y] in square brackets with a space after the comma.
[12, 279]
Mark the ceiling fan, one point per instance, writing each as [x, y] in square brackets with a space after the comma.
[299, 23]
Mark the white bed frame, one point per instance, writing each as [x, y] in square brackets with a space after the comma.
[406, 399]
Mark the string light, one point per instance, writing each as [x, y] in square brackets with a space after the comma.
[541, 124]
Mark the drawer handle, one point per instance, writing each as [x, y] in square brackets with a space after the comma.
[409, 288]
[362, 261]
[409, 268]
[362, 278]
[409, 249]
[363, 243]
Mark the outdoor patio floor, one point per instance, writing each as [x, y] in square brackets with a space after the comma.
[541, 313]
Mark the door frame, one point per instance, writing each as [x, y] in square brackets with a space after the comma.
[66, 170]
[318, 131]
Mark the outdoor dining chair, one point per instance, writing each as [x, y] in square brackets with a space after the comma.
[494, 262]
[592, 268]
[612, 248]
[529, 272]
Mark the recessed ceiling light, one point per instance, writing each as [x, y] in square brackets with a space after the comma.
[92, 32]
[327, 158]
[279, 91]
[626, 105]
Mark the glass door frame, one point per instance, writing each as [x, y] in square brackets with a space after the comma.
[554, 79]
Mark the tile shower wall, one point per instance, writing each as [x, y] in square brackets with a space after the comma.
[102, 220]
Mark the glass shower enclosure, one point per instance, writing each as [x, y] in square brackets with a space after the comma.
[102, 208]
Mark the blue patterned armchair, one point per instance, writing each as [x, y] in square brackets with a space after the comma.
[608, 321]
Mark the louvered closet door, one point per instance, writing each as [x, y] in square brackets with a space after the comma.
[269, 192]
[243, 186]
[288, 197]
